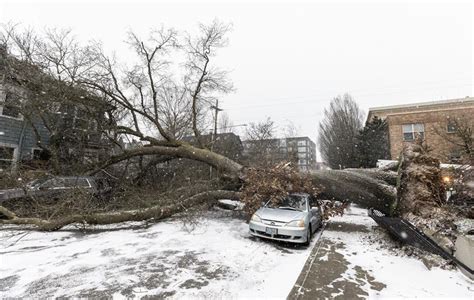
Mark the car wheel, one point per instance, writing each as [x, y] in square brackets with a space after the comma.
[308, 236]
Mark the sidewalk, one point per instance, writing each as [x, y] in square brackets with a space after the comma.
[352, 261]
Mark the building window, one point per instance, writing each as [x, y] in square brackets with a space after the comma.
[6, 157]
[11, 106]
[412, 131]
[451, 127]
[454, 157]
[302, 149]
[301, 143]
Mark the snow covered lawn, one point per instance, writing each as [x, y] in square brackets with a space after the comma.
[217, 259]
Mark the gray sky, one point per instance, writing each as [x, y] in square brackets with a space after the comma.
[288, 59]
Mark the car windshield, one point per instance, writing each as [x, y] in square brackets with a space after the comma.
[292, 202]
[37, 182]
[76, 182]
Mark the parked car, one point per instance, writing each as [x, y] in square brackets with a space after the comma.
[294, 220]
[53, 186]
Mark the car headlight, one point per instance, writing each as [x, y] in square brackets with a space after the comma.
[256, 218]
[296, 223]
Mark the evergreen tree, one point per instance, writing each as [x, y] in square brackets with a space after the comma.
[373, 143]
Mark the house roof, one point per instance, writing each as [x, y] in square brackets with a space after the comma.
[421, 104]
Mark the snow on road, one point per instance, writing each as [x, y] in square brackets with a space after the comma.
[217, 259]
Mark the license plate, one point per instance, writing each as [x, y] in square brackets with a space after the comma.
[273, 231]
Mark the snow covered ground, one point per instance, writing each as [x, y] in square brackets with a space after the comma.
[372, 268]
[216, 260]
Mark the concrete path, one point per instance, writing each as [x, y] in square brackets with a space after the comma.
[319, 277]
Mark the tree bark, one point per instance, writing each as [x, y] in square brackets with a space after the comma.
[180, 150]
[155, 212]
[361, 186]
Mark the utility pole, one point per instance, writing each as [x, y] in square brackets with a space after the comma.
[217, 110]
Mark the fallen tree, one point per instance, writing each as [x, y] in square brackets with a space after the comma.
[255, 185]
[156, 213]
[361, 186]
[140, 95]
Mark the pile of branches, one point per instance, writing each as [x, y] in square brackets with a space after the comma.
[273, 184]
[332, 208]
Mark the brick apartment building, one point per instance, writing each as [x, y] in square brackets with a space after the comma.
[433, 121]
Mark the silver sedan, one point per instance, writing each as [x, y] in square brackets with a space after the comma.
[294, 220]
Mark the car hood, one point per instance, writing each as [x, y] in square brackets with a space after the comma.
[278, 214]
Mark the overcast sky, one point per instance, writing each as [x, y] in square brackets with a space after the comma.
[288, 59]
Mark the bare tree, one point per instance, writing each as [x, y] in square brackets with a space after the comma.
[41, 73]
[338, 132]
[459, 132]
[175, 110]
[261, 145]
[261, 131]
[225, 124]
[290, 130]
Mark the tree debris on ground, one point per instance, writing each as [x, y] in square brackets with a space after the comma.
[274, 184]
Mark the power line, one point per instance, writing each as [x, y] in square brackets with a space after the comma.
[323, 100]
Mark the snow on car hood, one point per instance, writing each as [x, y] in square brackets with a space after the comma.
[278, 214]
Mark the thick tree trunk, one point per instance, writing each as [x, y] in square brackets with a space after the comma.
[155, 212]
[367, 188]
[181, 150]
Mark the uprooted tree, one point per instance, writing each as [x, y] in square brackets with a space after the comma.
[141, 92]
